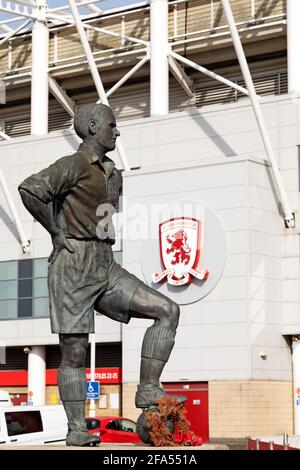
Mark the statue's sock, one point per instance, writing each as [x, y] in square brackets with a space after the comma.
[71, 383]
[72, 389]
[158, 342]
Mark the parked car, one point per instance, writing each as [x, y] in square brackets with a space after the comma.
[5, 399]
[113, 429]
[33, 425]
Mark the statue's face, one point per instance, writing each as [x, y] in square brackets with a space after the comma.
[105, 130]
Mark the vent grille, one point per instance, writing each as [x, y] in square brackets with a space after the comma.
[134, 103]
[58, 120]
[275, 83]
[107, 355]
[15, 358]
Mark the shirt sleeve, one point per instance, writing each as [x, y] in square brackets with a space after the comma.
[55, 181]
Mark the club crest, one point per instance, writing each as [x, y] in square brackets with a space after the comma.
[181, 240]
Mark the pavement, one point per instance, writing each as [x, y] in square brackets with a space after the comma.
[114, 447]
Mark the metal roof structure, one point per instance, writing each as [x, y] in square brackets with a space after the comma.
[162, 40]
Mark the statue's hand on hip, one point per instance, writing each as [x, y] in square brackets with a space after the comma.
[60, 241]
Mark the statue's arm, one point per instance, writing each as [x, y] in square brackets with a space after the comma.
[39, 210]
[52, 183]
[39, 190]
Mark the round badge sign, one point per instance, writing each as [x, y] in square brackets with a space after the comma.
[186, 258]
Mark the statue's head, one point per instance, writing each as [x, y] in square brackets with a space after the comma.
[96, 122]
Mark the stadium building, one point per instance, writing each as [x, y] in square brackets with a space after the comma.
[192, 129]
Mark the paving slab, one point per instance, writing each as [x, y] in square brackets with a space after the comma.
[114, 447]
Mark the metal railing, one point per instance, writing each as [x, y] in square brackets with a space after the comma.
[257, 19]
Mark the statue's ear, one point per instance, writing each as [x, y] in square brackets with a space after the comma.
[92, 127]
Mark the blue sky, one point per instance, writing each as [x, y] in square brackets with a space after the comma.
[102, 4]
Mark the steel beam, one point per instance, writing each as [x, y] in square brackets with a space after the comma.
[95, 74]
[4, 136]
[207, 72]
[39, 79]
[24, 240]
[20, 8]
[11, 33]
[67, 19]
[6, 28]
[93, 8]
[288, 215]
[159, 65]
[127, 76]
[59, 93]
[181, 77]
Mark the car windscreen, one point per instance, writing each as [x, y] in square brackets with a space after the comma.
[92, 424]
[23, 422]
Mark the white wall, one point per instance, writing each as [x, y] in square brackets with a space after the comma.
[214, 154]
[257, 300]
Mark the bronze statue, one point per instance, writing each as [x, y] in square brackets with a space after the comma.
[83, 275]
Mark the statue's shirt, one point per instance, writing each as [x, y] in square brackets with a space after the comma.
[77, 185]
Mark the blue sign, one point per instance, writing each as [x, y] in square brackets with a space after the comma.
[92, 390]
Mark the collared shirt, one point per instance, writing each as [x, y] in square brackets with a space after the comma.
[77, 185]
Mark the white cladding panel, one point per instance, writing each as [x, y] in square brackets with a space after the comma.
[216, 156]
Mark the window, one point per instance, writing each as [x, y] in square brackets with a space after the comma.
[24, 308]
[23, 422]
[8, 289]
[40, 268]
[8, 309]
[40, 307]
[113, 425]
[8, 270]
[127, 426]
[24, 289]
[25, 268]
[92, 424]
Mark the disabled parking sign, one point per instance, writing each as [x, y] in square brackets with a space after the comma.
[92, 390]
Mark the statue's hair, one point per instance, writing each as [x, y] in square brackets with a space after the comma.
[84, 114]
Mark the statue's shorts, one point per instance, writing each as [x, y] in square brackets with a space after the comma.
[88, 279]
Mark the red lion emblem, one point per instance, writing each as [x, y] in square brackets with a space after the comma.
[179, 247]
[180, 241]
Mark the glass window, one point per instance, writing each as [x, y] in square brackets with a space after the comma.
[8, 270]
[127, 426]
[8, 289]
[40, 287]
[23, 422]
[40, 267]
[41, 307]
[8, 309]
[113, 425]
[25, 288]
[92, 424]
[118, 257]
[25, 268]
[24, 308]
